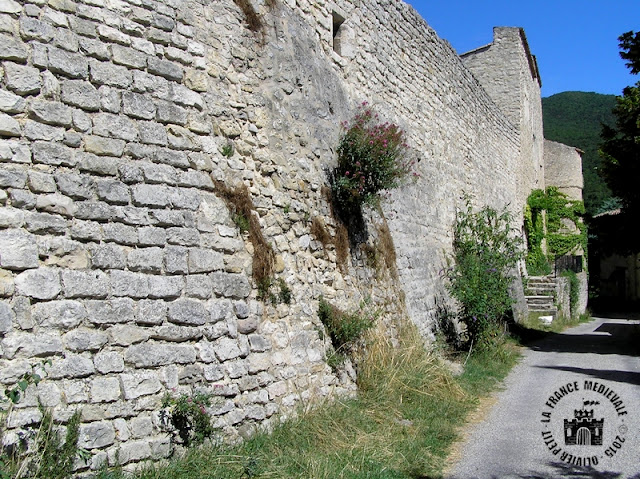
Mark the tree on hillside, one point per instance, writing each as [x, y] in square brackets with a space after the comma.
[620, 148]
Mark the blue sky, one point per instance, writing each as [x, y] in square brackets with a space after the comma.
[574, 41]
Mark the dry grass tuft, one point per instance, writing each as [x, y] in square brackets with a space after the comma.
[319, 231]
[387, 248]
[239, 203]
[250, 15]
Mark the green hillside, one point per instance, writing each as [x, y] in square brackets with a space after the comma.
[574, 118]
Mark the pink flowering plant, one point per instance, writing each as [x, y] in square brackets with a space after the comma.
[372, 156]
[188, 417]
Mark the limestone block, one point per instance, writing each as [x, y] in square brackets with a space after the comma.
[154, 196]
[108, 362]
[32, 29]
[41, 283]
[81, 94]
[49, 394]
[183, 236]
[9, 126]
[125, 283]
[44, 223]
[198, 286]
[7, 316]
[131, 451]
[259, 343]
[176, 259]
[175, 333]
[111, 102]
[11, 103]
[152, 236]
[165, 287]
[85, 284]
[188, 312]
[14, 151]
[102, 146]
[41, 182]
[231, 285]
[174, 158]
[154, 354]
[26, 345]
[108, 256]
[168, 112]
[94, 210]
[83, 339]
[23, 80]
[105, 73]
[24, 200]
[50, 112]
[39, 131]
[12, 50]
[86, 231]
[52, 154]
[204, 260]
[126, 335]
[128, 57]
[164, 68]
[105, 389]
[147, 260]
[226, 349]
[106, 124]
[7, 286]
[154, 173]
[138, 106]
[113, 191]
[151, 312]
[139, 383]
[61, 314]
[74, 65]
[113, 311]
[96, 435]
[56, 203]
[11, 218]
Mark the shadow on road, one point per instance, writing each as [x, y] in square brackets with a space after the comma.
[610, 338]
[562, 470]
[628, 377]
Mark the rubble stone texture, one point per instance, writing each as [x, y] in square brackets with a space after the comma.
[121, 263]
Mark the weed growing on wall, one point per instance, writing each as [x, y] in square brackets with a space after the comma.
[344, 329]
[574, 290]
[485, 252]
[372, 157]
[187, 415]
[41, 452]
[241, 209]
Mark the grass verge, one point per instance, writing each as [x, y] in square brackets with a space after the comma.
[407, 414]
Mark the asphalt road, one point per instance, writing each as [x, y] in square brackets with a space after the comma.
[581, 386]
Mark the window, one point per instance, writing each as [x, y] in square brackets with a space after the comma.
[337, 32]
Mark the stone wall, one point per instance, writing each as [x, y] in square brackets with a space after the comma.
[509, 73]
[121, 263]
[563, 168]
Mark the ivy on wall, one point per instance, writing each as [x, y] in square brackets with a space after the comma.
[543, 219]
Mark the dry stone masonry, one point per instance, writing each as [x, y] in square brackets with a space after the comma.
[122, 265]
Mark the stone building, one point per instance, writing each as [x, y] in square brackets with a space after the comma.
[121, 262]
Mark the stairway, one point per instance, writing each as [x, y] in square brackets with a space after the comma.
[540, 294]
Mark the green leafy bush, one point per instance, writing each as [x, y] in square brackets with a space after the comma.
[574, 290]
[344, 328]
[485, 252]
[372, 157]
[188, 416]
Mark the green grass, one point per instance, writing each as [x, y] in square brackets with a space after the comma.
[407, 415]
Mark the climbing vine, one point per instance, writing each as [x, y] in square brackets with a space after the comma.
[556, 207]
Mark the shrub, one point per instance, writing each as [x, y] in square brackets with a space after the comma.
[574, 291]
[372, 157]
[344, 329]
[188, 416]
[485, 252]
